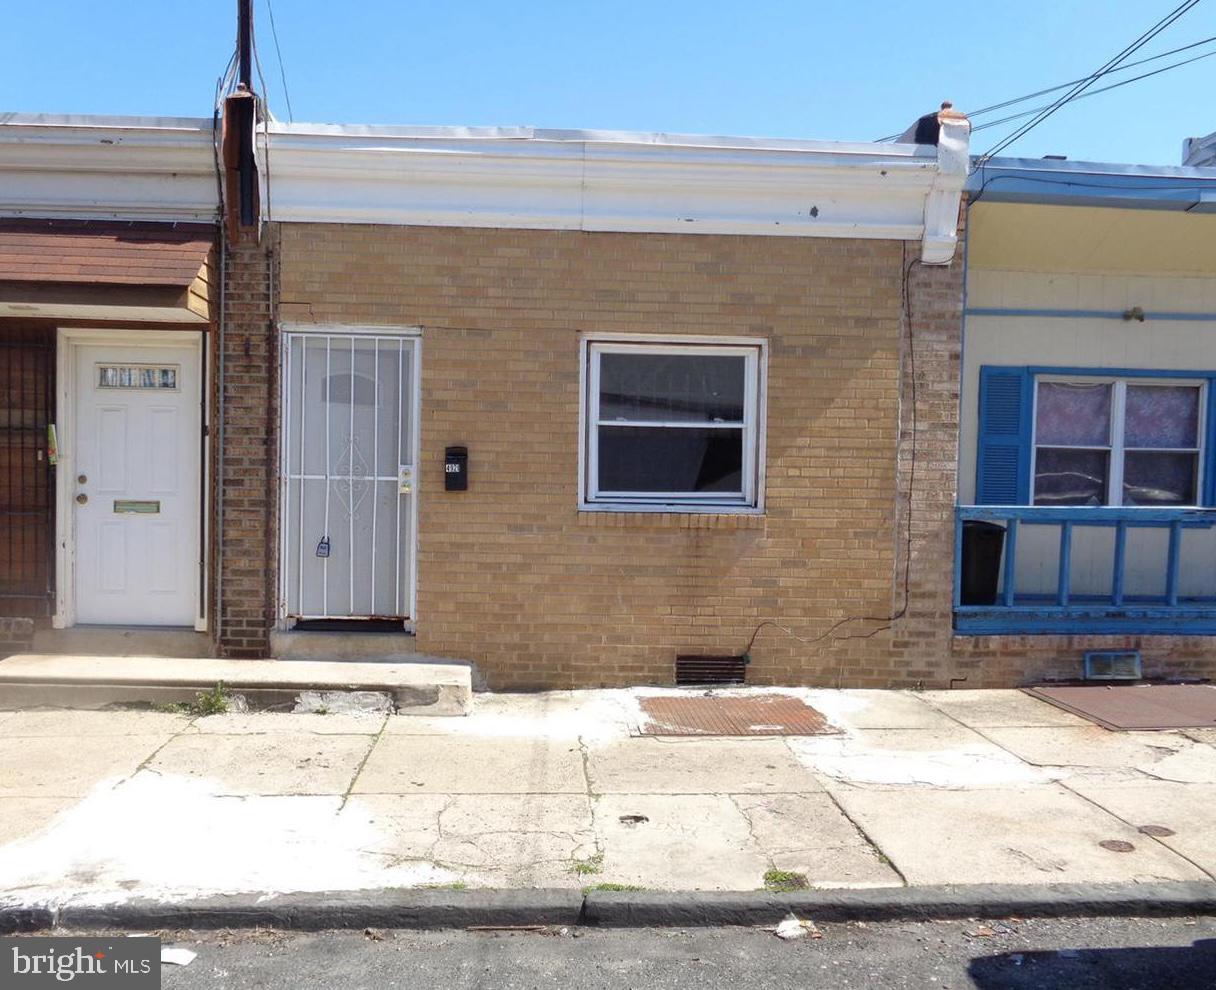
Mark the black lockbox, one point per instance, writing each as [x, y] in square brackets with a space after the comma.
[456, 469]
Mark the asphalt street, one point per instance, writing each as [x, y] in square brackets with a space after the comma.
[1112, 954]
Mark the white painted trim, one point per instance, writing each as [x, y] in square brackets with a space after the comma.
[344, 329]
[66, 341]
[940, 238]
[754, 425]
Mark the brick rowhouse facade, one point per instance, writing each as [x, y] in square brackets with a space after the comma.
[514, 577]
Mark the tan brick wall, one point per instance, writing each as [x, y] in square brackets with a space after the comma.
[511, 574]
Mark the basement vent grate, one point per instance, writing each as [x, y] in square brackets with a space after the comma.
[1113, 665]
[710, 670]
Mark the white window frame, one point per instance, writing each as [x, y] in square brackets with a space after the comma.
[755, 353]
[1116, 447]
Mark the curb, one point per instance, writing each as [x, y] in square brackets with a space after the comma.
[701, 908]
[422, 909]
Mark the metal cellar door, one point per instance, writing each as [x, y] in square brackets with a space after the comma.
[348, 470]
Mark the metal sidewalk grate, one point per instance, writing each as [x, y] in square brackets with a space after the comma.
[724, 715]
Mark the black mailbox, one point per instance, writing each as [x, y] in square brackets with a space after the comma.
[456, 469]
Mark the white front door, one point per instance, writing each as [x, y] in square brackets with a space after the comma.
[135, 483]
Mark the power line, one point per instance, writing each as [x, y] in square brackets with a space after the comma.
[1055, 89]
[1095, 92]
[1080, 87]
[1127, 67]
[274, 33]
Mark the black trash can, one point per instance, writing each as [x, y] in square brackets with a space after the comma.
[982, 546]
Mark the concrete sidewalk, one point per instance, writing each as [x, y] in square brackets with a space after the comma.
[558, 791]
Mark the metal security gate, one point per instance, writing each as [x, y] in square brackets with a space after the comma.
[27, 485]
[349, 442]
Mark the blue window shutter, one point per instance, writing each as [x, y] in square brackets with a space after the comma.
[1002, 475]
[1209, 447]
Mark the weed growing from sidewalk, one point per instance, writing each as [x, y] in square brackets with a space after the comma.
[217, 701]
[611, 886]
[454, 885]
[588, 867]
[784, 881]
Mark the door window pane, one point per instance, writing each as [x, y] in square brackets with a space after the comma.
[1070, 477]
[1156, 478]
[672, 388]
[1162, 416]
[1073, 415]
[672, 460]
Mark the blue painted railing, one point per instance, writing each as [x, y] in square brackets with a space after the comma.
[1067, 612]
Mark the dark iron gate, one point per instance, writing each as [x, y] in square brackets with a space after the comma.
[27, 478]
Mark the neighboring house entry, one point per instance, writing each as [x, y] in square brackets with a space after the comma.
[348, 474]
[133, 479]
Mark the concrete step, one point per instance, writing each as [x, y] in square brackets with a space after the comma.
[67, 681]
[358, 647]
[123, 641]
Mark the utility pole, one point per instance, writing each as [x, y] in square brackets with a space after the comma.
[244, 43]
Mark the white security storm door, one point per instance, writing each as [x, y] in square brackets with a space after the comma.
[348, 475]
[135, 484]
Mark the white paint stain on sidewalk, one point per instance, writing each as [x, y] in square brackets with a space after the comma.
[163, 837]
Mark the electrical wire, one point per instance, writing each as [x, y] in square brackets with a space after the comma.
[885, 621]
[1095, 92]
[1126, 67]
[1076, 90]
[274, 33]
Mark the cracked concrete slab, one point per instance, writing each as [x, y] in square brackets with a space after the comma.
[435, 764]
[1027, 835]
[71, 723]
[517, 840]
[299, 763]
[46, 766]
[865, 709]
[595, 715]
[688, 842]
[994, 708]
[1185, 809]
[955, 757]
[809, 834]
[1168, 755]
[700, 765]
[399, 827]
[288, 723]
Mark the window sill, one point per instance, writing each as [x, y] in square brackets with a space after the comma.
[641, 517]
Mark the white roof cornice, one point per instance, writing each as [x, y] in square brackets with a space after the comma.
[609, 181]
[163, 168]
[147, 168]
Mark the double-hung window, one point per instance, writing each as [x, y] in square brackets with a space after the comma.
[672, 425]
[1120, 441]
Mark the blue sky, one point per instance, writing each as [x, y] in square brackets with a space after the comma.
[828, 70]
